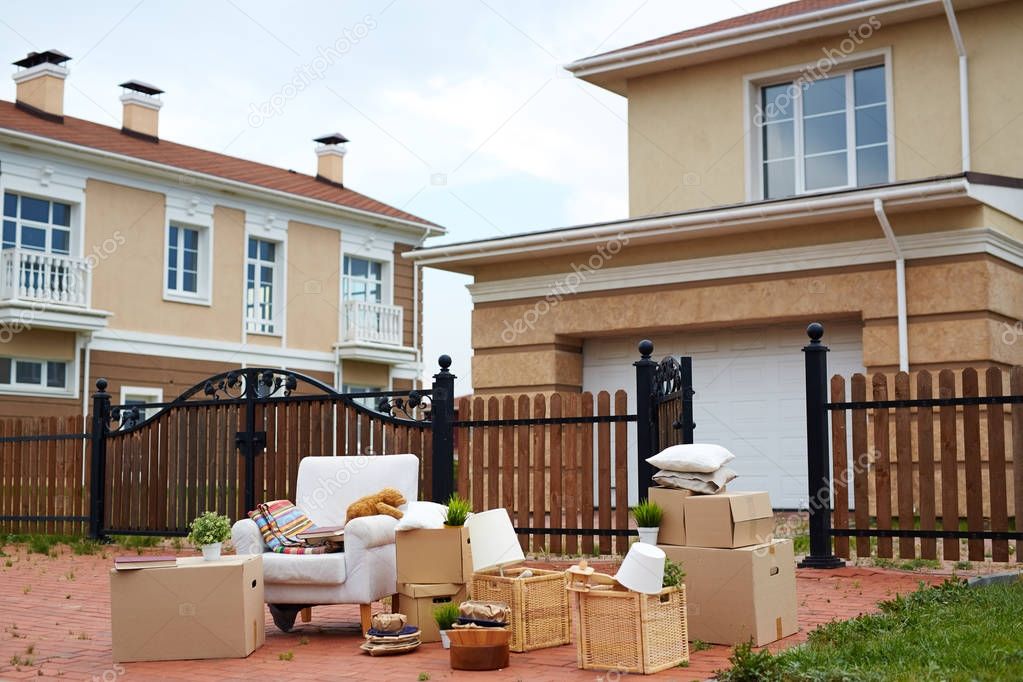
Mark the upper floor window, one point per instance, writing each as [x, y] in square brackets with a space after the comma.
[823, 134]
[33, 374]
[260, 275]
[36, 224]
[363, 280]
[188, 254]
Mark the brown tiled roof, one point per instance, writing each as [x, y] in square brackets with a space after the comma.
[88, 134]
[790, 9]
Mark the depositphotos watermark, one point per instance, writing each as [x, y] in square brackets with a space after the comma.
[311, 71]
[568, 285]
[818, 70]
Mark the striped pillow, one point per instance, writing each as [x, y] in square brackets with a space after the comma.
[279, 522]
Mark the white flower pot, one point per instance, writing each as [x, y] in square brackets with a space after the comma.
[211, 552]
[648, 535]
[445, 641]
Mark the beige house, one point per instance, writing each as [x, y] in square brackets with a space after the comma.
[854, 162]
[155, 264]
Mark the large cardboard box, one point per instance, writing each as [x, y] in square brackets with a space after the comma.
[417, 602]
[434, 556]
[729, 520]
[673, 527]
[198, 609]
[735, 594]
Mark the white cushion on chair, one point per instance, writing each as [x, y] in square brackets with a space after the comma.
[304, 569]
[327, 485]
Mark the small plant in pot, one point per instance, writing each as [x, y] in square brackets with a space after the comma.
[648, 519]
[458, 511]
[208, 532]
[446, 615]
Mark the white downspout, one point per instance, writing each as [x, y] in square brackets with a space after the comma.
[416, 341]
[900, 284]
[964, 84]
[86, 356]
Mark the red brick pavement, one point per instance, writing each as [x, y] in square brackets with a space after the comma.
[55, 613]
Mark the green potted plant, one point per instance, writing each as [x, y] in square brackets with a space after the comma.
[648, 517]
[674, 574]
[458, 510]
[446, 615]
[209, 531]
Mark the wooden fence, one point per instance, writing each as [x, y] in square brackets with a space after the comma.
[933, 454]
[557, 463]
[44, 475]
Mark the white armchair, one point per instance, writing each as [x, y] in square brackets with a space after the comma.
[366, 571]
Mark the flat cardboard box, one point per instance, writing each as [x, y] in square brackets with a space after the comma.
[735, 594]
[197, 609]
[729, 520]
[418, 601]
[434, 556]
[673, 527]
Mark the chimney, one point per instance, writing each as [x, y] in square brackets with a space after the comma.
[141, 110]
[40, 80]
[330, 152]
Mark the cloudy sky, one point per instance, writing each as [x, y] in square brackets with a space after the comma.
[458, 111]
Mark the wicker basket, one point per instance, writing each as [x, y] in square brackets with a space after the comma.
[632, 632]
[540, 612]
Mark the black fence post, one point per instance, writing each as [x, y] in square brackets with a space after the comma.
[688, 425]
[98, 466]
[442, 413]
[646, 417]
[818, 452]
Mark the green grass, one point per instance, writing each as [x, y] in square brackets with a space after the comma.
[136, 542]
[949, 632]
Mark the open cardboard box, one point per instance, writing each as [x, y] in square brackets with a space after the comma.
[735, 594]
[417, 602]
[728, 520]
[672, 530]
[434, 556]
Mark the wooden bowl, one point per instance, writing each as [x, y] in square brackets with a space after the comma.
[479, 648]
[479, 636]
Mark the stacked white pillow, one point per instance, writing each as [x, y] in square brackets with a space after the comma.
[698, 467]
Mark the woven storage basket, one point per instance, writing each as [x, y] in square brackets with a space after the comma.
[540, 612]
[632, 632]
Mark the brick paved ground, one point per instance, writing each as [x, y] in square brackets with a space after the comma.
[55, 613]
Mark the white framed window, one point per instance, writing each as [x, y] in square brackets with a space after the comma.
[142, 395]
[187, 263]
[36, 224]
[33, 375]
[370, 403]
[261, 286]
[824, 133]
[363, 280]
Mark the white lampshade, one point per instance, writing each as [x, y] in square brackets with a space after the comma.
[493, 540]
[642, 570]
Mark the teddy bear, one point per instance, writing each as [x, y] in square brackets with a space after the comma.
[386, 502]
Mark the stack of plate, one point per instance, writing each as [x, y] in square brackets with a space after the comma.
[379, 643]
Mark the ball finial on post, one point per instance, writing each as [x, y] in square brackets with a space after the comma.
[646, 348]
[444, 361]
[815, 330]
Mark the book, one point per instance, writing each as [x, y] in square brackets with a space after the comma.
[132, 563]
[322, 534]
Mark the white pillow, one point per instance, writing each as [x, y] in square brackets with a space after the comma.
[422, 515]
[699, 457]
[707, 484]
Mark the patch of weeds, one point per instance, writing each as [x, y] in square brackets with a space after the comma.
[18, 660]
[8, 563]
[41, 544]
[751, 666]
[683, 664]
[698, 645]
[85, 547]
[423, 677]
[916, 564]
[801, 544]
[303, 640]
[30, 649]
[26, 589]
[83, 635]
[882, 562]
[12, 630]
[70, 575]
[177, 543]
[963, 565]
[135, 542]
[285, 655]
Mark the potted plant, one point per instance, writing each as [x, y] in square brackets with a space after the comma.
[446, 615]
[674, 574]
[648, 518]
[208, 532]
[458, 510]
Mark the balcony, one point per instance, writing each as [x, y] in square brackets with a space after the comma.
[47, 290]
[373, 332]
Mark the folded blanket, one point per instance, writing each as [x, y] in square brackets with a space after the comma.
[709, 483]
[280, 522]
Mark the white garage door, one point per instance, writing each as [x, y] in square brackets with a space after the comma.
[749, 395]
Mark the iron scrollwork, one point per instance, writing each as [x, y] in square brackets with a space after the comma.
[269, 383]
[415, 407]
[667, 377]
[129, 417]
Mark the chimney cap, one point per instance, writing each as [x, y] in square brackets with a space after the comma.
[140, 86]
[45, 57]
[332, 138]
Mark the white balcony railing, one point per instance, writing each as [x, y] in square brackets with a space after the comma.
[372, 322]
[43, 277]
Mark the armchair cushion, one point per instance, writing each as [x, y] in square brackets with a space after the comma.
[304, 569]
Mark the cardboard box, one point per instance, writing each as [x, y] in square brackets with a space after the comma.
[729, 520]
[198, 609]
[417, 602]
[673, 527]
[735, 594]
[434, 556]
